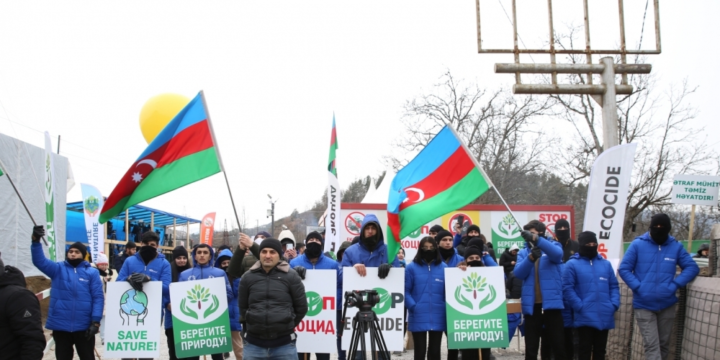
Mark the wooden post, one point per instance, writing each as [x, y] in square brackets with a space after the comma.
[106, 245]
[152, 221]
[174, 233]
[692, 228]
[127, 226]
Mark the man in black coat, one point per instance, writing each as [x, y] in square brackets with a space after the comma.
[130, 250]
[272, 303]
[21, 333]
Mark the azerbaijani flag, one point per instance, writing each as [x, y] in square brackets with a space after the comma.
[442, 178]
[185, 151]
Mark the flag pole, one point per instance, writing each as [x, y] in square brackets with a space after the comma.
[21, 199]
[217, 152]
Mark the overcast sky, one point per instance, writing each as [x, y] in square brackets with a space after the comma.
[274, 73]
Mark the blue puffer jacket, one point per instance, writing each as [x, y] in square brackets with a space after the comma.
[323, 263]
[158, 270]
[550, 276]
[649, 270]
[454, 260]
[591, 289]
[425, 296]
[207, 271]
[76, 294]
[233, 305]
[358, 254]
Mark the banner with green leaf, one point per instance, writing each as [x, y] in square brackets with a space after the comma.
[505, 232]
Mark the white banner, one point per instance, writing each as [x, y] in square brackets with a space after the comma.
[607, 198]
[390, 310]
[92, 204]
[55, 253]
[316, 333]
[695, 190]
[332, 221]
[133, 320]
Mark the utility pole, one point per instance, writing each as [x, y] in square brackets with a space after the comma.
[271, 215]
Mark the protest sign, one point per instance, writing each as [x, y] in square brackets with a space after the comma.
[201, 322]
[476, 310]
[132, 322]
[695, 189]
[390, 310]
[316, 333]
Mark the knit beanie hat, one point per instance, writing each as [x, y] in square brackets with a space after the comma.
[179, 251]
[473, 227]
[477, 242]
[101, 259]
[473, 250]
[441, 234]
[263, 233]
[272, 244]
[587, 237]
[315, 235]
[662, 220]
[436, 228]
[80, 247]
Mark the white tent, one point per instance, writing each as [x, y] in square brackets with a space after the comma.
[25, 163]
[380, 196]
[370, 193]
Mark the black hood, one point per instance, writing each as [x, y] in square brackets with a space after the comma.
[12, 276]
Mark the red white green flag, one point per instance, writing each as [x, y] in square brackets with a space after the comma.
[442, 178]
[184, 152]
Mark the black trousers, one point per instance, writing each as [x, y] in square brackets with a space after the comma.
[308, 356]
[171, 343]
[592, 343]
[64, 342]
[452, 353]
[546, 352]
[472, 354]
[551, 322]
[214, 357]
[423, 345]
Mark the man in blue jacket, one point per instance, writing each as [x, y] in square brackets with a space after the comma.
[148, 265]
[648, 268]
[77, 301]
[539, 265]
[370, 251]
[313, 258]
[223, 262]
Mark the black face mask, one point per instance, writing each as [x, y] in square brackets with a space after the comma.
[563, 235]
[659, 235]
[428, 255]
[446, 253]
[589, 252]
[148, 253]
[371, 242]
[475, 263]
[225, 267]
[75, 262]
[313, 250]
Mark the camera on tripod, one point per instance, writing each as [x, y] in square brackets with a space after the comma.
[362, 299]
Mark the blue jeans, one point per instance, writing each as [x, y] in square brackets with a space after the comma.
[285, 352]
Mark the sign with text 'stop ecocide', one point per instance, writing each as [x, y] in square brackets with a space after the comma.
[317, 330]
[201, 322]
[695, 190]
[390, 310]
[476, 309]
[132, 320]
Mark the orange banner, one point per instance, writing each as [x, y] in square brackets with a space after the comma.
[207, 227]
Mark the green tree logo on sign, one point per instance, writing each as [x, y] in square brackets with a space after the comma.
[199, 295]
[475, 284]
[508, 226]
[314, 303]
[384, 304]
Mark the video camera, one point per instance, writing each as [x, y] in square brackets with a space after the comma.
[362, 299]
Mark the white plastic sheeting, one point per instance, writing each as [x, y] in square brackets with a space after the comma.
[24, 163]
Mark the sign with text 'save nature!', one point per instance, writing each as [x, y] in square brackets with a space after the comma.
[132, 320]
[316, 332]
[695, 190]
[476, 309]
[201, 321]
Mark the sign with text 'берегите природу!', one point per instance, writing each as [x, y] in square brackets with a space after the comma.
[695, 189]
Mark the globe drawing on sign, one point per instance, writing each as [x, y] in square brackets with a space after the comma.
[133, 304]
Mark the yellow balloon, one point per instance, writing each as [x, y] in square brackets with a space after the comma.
[157, 113]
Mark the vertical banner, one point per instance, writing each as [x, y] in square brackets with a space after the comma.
[55, 253]
[92, 203]
[207, 228]
[390, 310]
[476, 308]
[505, 232]
[332, 221]
[132, 320]
[316, 333]
[201, 322]
[607, 199]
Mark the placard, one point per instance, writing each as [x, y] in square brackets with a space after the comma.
[201, 322]
[316, 333]
[476, 309]
[133, 320]
[695, 190]
[390, 310]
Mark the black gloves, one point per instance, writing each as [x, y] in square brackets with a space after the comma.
[136, 280]
[529, 237]
[383, 270]
[38, 233]
[536, 254]
[301, 271]
[92, 330]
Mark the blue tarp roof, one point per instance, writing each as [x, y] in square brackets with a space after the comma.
[139, 212]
